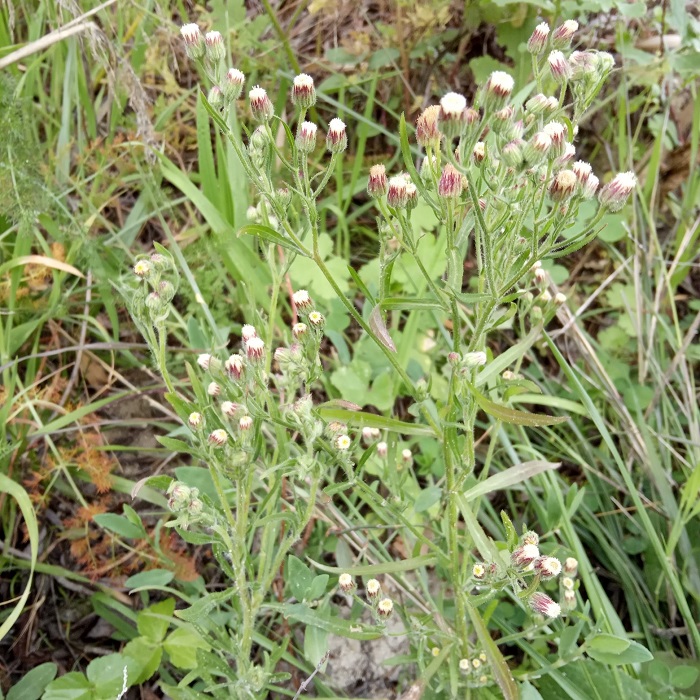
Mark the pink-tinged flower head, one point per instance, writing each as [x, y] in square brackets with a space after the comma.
[204, 360]
[255, 349]
[248, 332]
[229, 409]
[512, 153]
[233, 84]
[215, 96]
[499, 88]
[428, 134]
[538, 39]
[548, 567]
[590, 187]
[373, 588]
[538, 147]
[411, 196]
[479, 152]
[557, 132]
[306, 137]
[566, 157]
[316, 319]
[582, 170]
[195, 420]
[544, 605]
[218, 438]
[260, 104]
[194, 41]
[337, 137]
[563, 34]
[453, 108]
[614, 195]
[450, 185]
[302, 300]
[563, 185]
[537, 104]
[303, 91]
[583, 65]
[245, 423]
[406, 455]
[143, 269]
[213, 389]
[569, 602]
[382, 449]
[214, 46]
[524, 554]
[397, 195]
[559, 67]
[234, 366]
[378, 184]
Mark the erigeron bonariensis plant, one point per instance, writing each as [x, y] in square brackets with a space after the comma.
[502, 180]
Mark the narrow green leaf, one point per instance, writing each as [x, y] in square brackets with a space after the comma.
[119, 525]
[360, 419]
[270, 235]
[390, 567]
[509, 477]
[510, 415]
[409, 304]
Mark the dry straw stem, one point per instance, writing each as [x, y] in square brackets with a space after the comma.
[73, 27]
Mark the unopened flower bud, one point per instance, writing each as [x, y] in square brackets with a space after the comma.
[524, 554]
[548, 567]
[382, 449]
[303, 91]
[385, 607]
[474, 359]
[450, 185]
[454, 358]
[563, 185]
[213, 389]
[233, 84]
[143, 268]
[179, 495]
[245, 423]
[569, 600]
[204, 360]
[194, 41]
[195, 420]
[544, 605]
[373, 588]
[590, 187]
[571, 566]
[559, 299]
[479, 152]
[218, 437]
[538, 39]
[406, 456]
[452, 113]
[411, 196]
[234, 366]
[397, 194]
[248, 332]
[559, 67]
[464, 665]
[582, 170]
[229, 409]
[342, 442]
[260, 104]
[154, 302]
[306, 137]
[346, 583]
[214, 45]
[377, 184]
[369, 435]
[583, 65]
[499, 88]
[614, 195]
[530, 537]
[557, 132]
[195, 507]
[604, 63]
[336, 138]
[538, 146]
[563, 34]
[255, 349]
[512, 153]
[478, 571]
[566, 157]
[428, 134]
[537, 104]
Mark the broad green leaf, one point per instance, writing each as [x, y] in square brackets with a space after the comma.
[145, 657]
[7, 485]
[509, 477]
[318, 587]
[510, 415]
[106, 673]
[71, 686]
[175, 445]
[616, 651]
[181, 646]
[153, 621]
[298, 576]
[119, 525]
[33, 683]
[427, 498]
